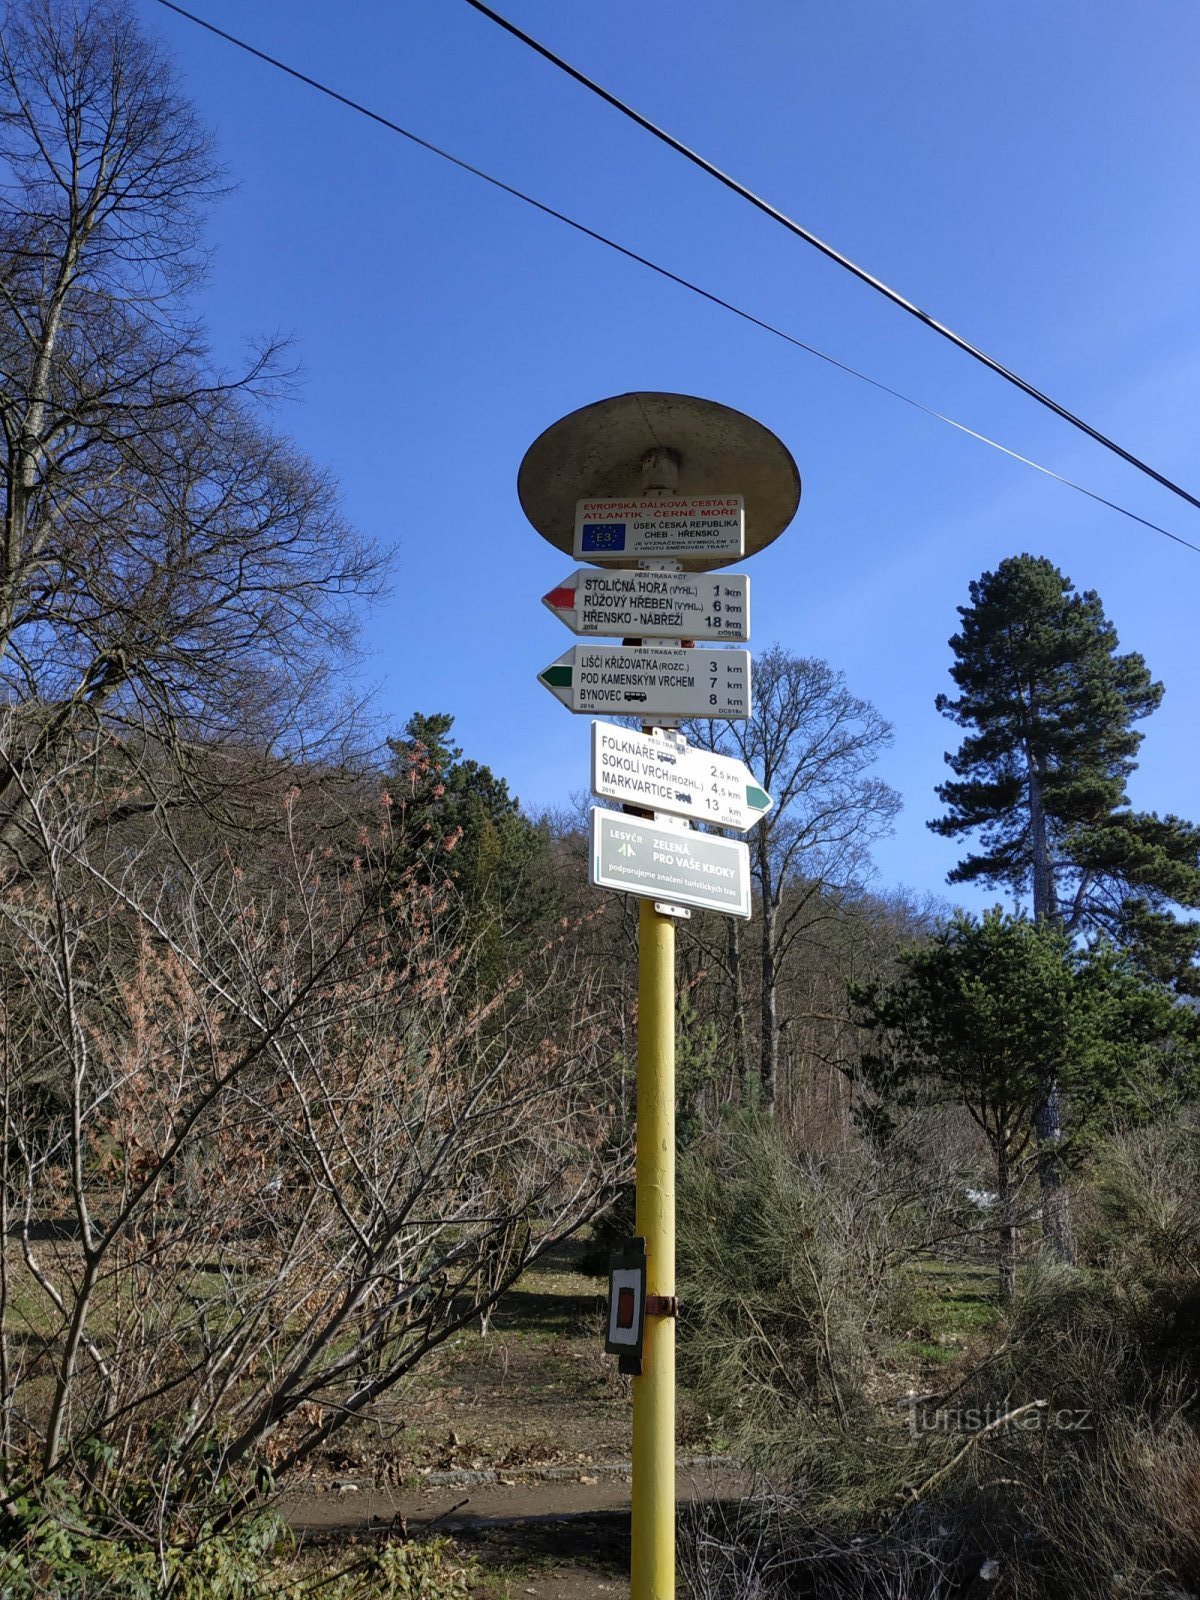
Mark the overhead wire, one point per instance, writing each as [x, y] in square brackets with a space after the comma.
[827, 249]
[665, 272]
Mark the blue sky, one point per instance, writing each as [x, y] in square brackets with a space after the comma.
[1029, 173]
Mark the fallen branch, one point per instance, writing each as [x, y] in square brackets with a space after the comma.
[913, 1495]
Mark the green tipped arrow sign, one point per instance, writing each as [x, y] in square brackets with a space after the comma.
[652, 681]
[660, 771]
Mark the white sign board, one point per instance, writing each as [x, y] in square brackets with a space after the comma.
[656, 861]
[652, 682]
[626, 1309]
[668, 527]
[653, 605]
[661, 772]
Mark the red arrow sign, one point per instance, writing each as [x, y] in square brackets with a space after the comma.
[641, 604]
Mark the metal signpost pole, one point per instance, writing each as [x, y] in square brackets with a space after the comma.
[654, 1391]
[652, 1563]
[667, 482]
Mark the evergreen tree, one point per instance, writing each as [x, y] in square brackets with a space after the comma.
[981, 1014]
[1041, 779]
[462, 825]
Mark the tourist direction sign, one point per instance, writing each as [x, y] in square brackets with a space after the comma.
[661, 772]
[653, 605]
[660, 861]
[668, 527]
[652, 682]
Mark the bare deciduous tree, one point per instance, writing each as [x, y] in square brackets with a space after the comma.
[812, 744]
[262, 1152]
[167, 564]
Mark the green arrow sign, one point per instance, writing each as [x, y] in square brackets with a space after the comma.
[660, 771]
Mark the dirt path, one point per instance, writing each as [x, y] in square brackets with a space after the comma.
[513, 1444]
[555, 1538]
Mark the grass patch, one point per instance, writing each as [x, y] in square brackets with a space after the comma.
[957, 1301]
[930, 1354]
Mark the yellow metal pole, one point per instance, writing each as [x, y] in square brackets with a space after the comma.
[653, 1567]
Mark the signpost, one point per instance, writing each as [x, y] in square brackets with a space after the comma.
[666, 681]
[668, 526]
[641, 479]
[661, 861]
[653, 605]
[660, 771]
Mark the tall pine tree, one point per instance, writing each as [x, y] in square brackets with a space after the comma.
[1041, 779]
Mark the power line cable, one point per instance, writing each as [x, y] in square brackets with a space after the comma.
[672, 277]
[811, 238]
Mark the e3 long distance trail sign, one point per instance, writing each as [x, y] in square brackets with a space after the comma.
[660, 605]
[652, 682]
[661, 772]
[670, 526]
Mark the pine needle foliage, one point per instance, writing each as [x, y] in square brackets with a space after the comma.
[795, 1275]
[1041, 776]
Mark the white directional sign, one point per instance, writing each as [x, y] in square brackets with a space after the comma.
[670, 527]
[653, 605]
[651, 682]
[661, 772]
[660, 862]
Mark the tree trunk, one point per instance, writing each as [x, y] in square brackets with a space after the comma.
[1056, 1202]
[769, 1059]
[741, 1052]
[1005, 1197]
[768, 1069]
[768, 1055]
[1045, 901]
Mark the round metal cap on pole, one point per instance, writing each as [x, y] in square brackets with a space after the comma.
[650, 442]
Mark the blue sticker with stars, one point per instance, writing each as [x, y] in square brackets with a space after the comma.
[603, 536]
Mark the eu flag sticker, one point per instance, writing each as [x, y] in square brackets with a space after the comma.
[602, 536]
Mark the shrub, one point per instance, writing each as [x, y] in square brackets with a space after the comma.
[52, 1551]
[1140, 1214]
[1067, 1463]
[794, 1276]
